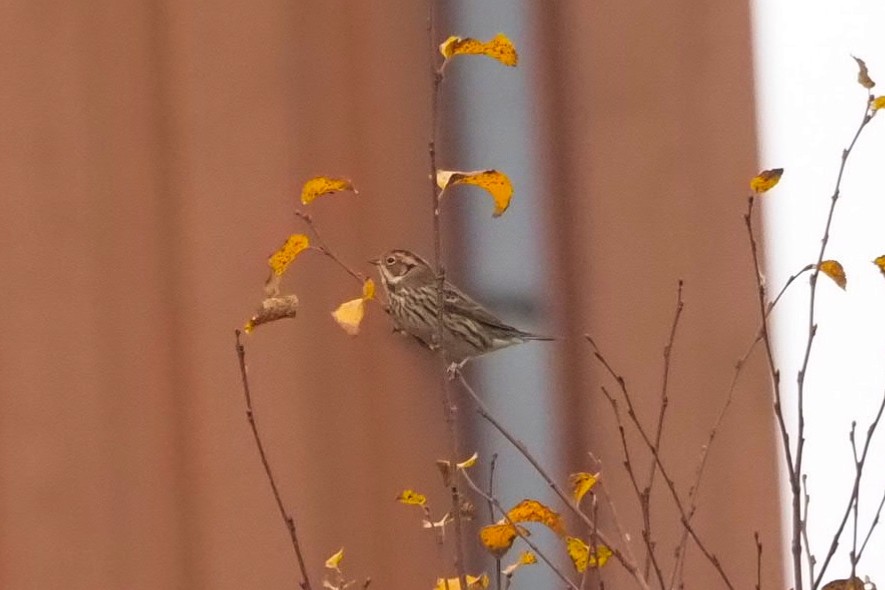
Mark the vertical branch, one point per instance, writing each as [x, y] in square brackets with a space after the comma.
[250, 416]
[758, 560]
[491, 507]
[449, 408]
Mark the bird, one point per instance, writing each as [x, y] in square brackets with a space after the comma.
[469, 330]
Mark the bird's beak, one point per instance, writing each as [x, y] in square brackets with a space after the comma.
[375, 262]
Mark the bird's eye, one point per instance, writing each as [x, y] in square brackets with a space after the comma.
[390, 260]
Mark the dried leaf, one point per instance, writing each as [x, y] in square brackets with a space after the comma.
[582, 483]
[846, 584]
[273, 308]
[334, 561]
[349, 315]
[280, 260]
[880, 262]
[499, 48]
[324, 185]
[439, 524]
[878, 103]
[863, 75]
[534, 511]
[480, 582]
[498, 538]
[766, 180]
[412, 497]
[834, 270]
[445, 470]
[369, 289]
[582, 557]
[496, 183]
[470, 462]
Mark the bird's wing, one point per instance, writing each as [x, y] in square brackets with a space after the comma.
[457, 303]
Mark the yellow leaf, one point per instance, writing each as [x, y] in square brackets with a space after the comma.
[863, 76]
[582, 483]
[499, 48]
[369, 289]
[496, 183]
[412, 497]
[349, 315]
[333, 562]
[280, 260]
[273, 308]
[880, 262]
[470, 462]
[525, 558]
[834, 270]
[324, 185]
[582, 557]
[473, 583]
[878, 103]
[766, 180]
[534, 511]
[498, 538]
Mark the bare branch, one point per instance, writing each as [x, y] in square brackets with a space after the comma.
[250, 416]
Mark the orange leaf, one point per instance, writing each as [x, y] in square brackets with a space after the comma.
[880, 262]
[496, 183]
[498, 538]
[834, 270]
[766, 180]
[349, 315]
[499, 48]
[369, 289]
[412, 497]
[473, 583]
[324, 185]
[582, 483]
[863, 75]
[280, 260]
[534, 511]
[878, 103]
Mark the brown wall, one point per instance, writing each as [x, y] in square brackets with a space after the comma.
[150, 153]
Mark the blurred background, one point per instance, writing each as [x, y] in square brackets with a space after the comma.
[151, 154]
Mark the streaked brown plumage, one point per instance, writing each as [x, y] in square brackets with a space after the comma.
[469, 330]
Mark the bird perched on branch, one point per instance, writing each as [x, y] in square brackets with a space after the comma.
[469, 330]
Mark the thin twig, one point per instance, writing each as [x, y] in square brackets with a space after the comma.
[758, 560]
[872, 527]
[321, 247]
[645, 497]
[631, 412]
[629, 564]
[641, 497]
[494, 501]
[491, 507]
[812, 331]
[809, 556]
[854, 493]
[250, 416]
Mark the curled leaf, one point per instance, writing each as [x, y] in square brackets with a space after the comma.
[496, 183]
[349, 315]
[878, 103]
[766, 180]
[412, 497]
[324, 185]
[581, 484]
[335, 560]
[469, 462]
[498, 538]
[273, 308]
[880, 262]
[535, 511]
[499, 48]
[834, 270]
[480, 582]
[863, 75]
[439, 524]
[280, 260]
[582, 557]
[368, 289]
